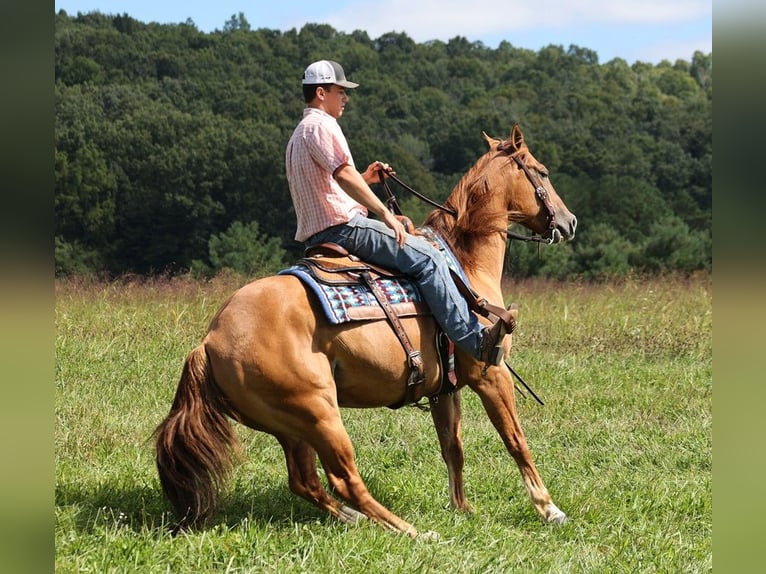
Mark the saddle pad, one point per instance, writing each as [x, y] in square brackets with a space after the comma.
[344, 303]
[441, 244]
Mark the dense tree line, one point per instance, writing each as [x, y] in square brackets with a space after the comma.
[169, 142]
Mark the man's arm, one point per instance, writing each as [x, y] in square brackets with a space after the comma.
[352, 182]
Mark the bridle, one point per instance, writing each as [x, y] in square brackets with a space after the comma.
[554, 235]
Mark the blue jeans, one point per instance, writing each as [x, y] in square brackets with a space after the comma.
[373, 241]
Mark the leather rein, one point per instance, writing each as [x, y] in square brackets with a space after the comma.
[540, 192]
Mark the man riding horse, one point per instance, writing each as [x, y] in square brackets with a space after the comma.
[292, 382]
[332, 200]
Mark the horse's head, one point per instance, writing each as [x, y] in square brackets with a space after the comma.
[530, 198]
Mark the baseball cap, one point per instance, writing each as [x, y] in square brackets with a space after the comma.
[327, 72]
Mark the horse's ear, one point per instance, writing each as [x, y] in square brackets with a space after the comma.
[517, 137]
[491, 142]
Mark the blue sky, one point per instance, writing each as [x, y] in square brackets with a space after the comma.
[634, 30]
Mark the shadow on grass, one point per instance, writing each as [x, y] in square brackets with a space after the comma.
[141, 508]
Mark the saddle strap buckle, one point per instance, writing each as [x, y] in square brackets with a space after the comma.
[417, 370]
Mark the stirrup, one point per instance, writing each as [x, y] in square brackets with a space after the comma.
[505, 325]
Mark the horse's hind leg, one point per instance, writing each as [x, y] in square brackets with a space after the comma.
[336, 453]
[446, 414]
[304, 480]
[313, 427]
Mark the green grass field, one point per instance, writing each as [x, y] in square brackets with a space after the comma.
[623, 443]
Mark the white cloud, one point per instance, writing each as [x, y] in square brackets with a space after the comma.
[652, 11]
[672, 50]
[443, 19]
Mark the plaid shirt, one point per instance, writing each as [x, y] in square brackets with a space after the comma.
[315, 151]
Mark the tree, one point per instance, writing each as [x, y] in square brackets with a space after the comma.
[606, 254]
[672, 245]
[237, 22]
[242, 248]
[166, 136]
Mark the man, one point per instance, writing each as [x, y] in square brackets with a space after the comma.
[332, 200]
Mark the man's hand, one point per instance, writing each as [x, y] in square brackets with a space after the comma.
[375, 170]
[355, 184]
[398, 227]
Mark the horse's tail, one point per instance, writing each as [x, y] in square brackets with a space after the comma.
[196, 444]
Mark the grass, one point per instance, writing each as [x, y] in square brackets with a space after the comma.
[624, 444]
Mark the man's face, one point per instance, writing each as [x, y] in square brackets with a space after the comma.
[335, 98]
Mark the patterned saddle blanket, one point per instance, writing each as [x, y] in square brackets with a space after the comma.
[344, 298]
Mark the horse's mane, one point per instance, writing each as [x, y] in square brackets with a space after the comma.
[477, 216]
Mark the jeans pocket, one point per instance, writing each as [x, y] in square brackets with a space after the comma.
[339, 234]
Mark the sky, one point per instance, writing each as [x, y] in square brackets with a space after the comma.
[634, 30]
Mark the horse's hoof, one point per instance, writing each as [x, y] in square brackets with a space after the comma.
[554, 515]
[560, 519]
[557, 517]
[348, 515]
[429, 536]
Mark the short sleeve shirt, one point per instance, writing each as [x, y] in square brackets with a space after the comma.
[315, 151]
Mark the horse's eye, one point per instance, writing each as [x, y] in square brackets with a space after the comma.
[543, 173]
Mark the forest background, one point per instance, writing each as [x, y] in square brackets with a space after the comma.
[169, 142]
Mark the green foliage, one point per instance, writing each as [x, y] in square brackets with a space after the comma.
[237, 22]
[243, 249]
[166, 135]
[74, 258]
[607, 254]
[671, 245]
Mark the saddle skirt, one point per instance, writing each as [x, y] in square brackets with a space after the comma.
[334, 277]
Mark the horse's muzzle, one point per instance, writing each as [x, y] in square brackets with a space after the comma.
[564, 231]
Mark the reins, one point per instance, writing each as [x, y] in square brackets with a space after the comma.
[393, 206]
[542, 194]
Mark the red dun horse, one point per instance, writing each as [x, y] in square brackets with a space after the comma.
[272, 362]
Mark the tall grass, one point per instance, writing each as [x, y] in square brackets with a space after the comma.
[623, 444]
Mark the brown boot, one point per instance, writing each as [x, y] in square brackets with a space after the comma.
[492, 351]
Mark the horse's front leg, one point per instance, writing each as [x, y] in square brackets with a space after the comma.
[495, 388]
[446, 414]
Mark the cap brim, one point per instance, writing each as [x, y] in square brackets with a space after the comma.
[347, 84]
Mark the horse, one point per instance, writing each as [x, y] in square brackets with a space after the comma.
[272, 362]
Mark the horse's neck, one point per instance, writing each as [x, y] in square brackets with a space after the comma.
[477, 235]
[488, 264]
[480, 254]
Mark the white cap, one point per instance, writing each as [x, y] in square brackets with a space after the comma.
[326, 72]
